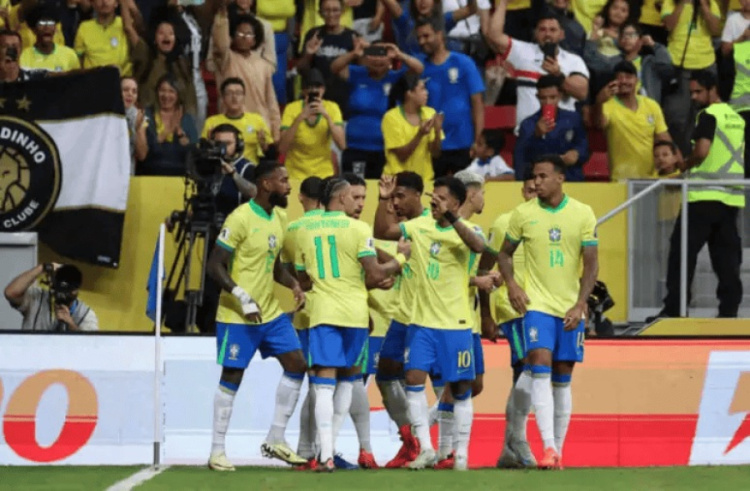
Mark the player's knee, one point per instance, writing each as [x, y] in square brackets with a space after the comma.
[413, 377]
[293, 362]
[389, 369]
[539, 371]
[461, 390]
[477, 387]
[539, 357]
[231, 378]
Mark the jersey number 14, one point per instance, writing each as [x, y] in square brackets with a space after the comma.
[332, 254]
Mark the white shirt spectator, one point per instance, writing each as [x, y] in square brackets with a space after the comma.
[735, 26]
[470, 25]
[527, 59]
[493, 167]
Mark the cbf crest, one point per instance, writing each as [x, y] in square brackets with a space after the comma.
[453, 75]
[555, 234]
[435, 249]
[272, 241]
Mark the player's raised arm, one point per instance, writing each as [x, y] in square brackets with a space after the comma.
[473, 238]
[386, 222]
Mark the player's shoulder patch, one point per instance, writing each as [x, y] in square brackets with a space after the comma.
[224, 234]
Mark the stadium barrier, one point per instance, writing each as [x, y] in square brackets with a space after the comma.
[102, 400]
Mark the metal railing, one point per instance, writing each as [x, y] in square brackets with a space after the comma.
[684, 185]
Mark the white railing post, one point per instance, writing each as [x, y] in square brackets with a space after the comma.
[158, 364]
[684, 250]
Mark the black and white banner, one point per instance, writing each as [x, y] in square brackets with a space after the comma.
[65, 163]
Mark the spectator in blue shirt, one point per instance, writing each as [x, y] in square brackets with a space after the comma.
[455, 89]
[404, 19]
[369, 85]
[552, 130]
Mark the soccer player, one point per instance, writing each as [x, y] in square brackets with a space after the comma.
[558, 233]
[335, 249]
[310, 193]
[400, 199]
[245, 264]
[439, 334]
[516, 452]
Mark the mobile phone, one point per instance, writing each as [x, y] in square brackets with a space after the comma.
[313, 96]
[549, 50]
[376, 51]
[549, 112]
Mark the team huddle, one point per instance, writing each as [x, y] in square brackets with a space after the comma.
[408, 299]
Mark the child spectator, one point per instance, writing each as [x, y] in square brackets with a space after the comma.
[666, 159]
[606, 28]
[102, 40]
[488, 162]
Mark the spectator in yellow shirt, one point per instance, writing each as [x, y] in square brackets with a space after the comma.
[252, 127]
[45, 53]
[307, 128]
[102, 41]
[17, 20]
[412, 132]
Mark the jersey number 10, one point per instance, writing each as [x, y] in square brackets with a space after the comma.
[332, 253]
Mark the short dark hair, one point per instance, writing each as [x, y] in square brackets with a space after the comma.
[332, 186]
[666, 143]
[353, 179]
[455, 187]
[625, 66]
[312, 187]
[550, 158]
[547, 14]
[9, 32]
[528, 173]
[634, 25]
[254, 22]
[437, 22]
[495, 139]
[408, 82]
[265, 169]
[547, 81]
[226, 128]
[410, 180]
[231, 81]
[704, 78]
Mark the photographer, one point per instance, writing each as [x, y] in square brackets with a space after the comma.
[237, 172]
[57, 309]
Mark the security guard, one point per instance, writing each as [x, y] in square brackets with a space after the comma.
[718, 146]
[740, 99]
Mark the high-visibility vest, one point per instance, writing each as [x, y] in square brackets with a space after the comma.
[725, 159]
[740, 99]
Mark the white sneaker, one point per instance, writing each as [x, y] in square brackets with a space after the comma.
[426, 458]
[220, 462]
[461, 463]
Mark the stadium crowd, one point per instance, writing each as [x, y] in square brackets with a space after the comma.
[399, 91]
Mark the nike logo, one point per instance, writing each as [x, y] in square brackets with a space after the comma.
[533, 222]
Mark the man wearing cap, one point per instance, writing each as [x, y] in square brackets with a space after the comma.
[57, 309]
[307, 128]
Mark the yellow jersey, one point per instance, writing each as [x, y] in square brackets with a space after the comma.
[408, 287]
[650, 13]
[503, 311]
[384, 303]
[585, 11]
[289, 250]
[631, 136]
[517, 4]
[4, 4]
[330, 247]
[28, 36]
[99, 45]
[249, 125]
[254, 238]
[310, 154]
[700, 53]
[276, 12]
[397, 132]
[440, 261]
[62, 59]
[473, 290]
[553, 240]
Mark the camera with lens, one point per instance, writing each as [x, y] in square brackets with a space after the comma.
[63, 283]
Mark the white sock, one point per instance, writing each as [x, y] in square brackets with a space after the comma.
[360, 412]
[417, 400]
[394, 400]
[324, 415]
[305, 446]
[521, 406]
[464, 414]
[510, 424]
[287, 395]
[434, 415]
[223, 401]
[446, 429]
[541, 398]
[342, 403]
[563, 409]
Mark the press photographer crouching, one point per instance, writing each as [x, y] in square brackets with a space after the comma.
[56, 309]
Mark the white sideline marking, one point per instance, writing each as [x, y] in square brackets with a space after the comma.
[138, 478]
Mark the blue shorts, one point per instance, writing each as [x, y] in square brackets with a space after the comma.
[237, 343]
[478, 354]
[513, 332]
[304, 341]
[544, 331]
[373, 354]
[394, 342]
[336, 347]
[445, 351]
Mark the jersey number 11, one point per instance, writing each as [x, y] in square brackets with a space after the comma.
[332, 253]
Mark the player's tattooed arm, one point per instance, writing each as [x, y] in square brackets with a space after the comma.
[218, 268]
[473, 240]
